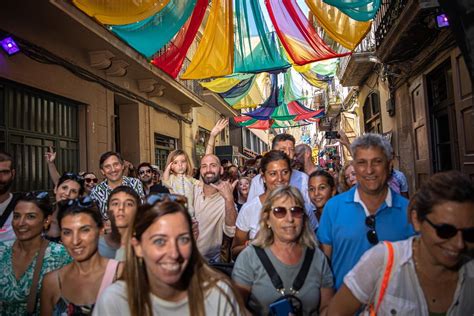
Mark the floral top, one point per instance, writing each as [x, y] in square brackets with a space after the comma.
[184, 185]
[13, 292]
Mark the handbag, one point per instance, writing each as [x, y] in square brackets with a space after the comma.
[31, 303]
[294, 301]
[382, 284]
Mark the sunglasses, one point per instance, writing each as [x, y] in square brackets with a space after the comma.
[40, 195]
[89, 180]
[280, 211]
[446, 231]
[142, 172]
[84, 202]
[154, 198]
[371, 234]
[73, 176]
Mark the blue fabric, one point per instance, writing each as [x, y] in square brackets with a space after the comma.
[242, 88]
[150, 35]
[342, 227]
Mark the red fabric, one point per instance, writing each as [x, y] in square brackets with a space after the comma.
[241, 118]
[305, 46]
[172, 59]
[302, 113]
[264, 125]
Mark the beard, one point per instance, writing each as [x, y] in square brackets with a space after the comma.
[208, 180]
[5, 186]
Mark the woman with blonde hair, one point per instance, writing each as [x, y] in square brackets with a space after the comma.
[285, 249]
[347, 177]
[164, 272]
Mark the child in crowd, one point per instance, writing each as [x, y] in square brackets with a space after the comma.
[178, 176]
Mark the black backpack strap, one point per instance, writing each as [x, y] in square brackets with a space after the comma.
[299, 280]
[267, 264]
[9, 209]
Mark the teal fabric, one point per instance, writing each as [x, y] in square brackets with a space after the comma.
[150, 35]
[256, 49]
[326, 67]
[360, 10]
[291, 92]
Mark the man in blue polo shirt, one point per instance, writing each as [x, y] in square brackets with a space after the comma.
[358, 219]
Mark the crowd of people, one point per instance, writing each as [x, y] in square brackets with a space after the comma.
[279, 235]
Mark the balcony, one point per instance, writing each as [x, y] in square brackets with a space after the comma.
[354, 69]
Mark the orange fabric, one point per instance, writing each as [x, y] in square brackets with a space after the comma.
[385, 280]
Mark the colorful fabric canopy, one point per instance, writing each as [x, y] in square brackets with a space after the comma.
[150, 35]
[301, 41]
[171, 60]
[360, 10]
[258, 93]
[220, 85]
[340, 27]
[256, 49]
[120, 11]
[214, 56]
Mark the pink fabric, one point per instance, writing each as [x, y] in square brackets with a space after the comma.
[109, 275]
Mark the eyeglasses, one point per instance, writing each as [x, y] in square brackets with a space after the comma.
[84, 202]
[280, 211]
[446, 231]
[40, 195]
[154, 198]
[89, 180]
[371, 234]
[142, 172]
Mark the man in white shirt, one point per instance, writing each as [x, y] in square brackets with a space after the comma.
[299, 180]
[7, 199]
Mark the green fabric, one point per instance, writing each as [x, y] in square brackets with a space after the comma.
[326, 67]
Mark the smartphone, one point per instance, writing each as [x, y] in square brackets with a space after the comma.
[332, 135]
[281, 307]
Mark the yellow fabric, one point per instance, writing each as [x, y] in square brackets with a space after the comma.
[220, 85]
[313, 80]
[258, 93]
[215, 54]
[120, 11]
[340, 27]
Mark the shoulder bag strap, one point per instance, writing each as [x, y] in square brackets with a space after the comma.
[299, 280]
[385, 278]
[109, 276]
[267, 264]
[8, 210]
[31, 303]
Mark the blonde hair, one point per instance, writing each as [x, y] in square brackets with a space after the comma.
[343, 187]
[265, 236]
[178, 152]
[198, 278]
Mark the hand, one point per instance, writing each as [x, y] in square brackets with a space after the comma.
[50, 155]
[195, 228]
[219, 127]
[225, 189]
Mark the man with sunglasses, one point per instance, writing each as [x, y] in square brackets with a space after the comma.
[146, 173]
[356, 220]
[112, 168]
[214, 210]
[7, 199]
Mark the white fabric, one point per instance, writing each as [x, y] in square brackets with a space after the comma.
[404, 295]
[357, 199]
[249, 217]
[217, 302]
[6, 231]
[298, 180]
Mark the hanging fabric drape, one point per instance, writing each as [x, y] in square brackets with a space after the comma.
[258, 93]
[150, 35]
[220, 85]
[340, 27]
[215, 54]
[171, 60]
[290, 88]
[256, 49]
[239, 89]
[325, 67]
[360, 10]
[120, 11]
[297, 35]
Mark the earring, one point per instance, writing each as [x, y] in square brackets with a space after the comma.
[269, 227]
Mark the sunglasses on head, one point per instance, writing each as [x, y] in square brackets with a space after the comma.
[89, 180]
[371, 234]
[84, 202]
[280, 211]
[40, 195]
[154, 198]
[446, 231]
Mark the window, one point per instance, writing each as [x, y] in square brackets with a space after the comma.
[30, 122]
[371, 110]
[201, 142]
[163, 146]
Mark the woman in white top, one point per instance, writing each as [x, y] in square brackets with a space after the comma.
[433, 273]
[276, 172]
[164, 272]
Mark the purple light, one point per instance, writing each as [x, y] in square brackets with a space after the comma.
[442, 20]
[9, 45]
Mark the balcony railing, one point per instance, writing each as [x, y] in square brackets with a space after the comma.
[367, 45]
[387, 15]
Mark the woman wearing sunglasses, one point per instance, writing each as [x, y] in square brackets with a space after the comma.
[28, 255]
[165, 273]
[432, 273]
[74, 289]
[90, 181]
[288, 243]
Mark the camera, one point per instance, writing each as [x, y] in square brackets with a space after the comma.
[332, 135]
